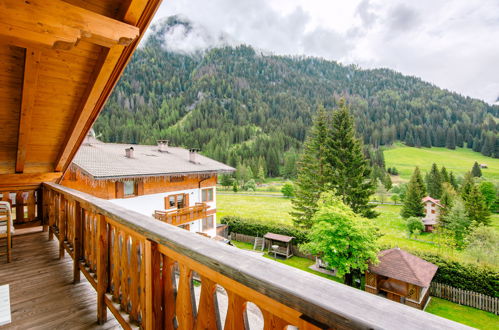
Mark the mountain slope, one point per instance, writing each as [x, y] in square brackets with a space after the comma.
[240, 106]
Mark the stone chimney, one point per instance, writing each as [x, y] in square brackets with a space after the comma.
[129, 152]
[193, 155]
[162, 145]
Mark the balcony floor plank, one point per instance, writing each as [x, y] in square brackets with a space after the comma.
[42, 294]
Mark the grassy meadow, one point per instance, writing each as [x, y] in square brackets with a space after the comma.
[459, 161]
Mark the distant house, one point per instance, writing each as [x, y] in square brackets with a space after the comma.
[401, 277]
[483, 166]
[432, 211]
[174, 185]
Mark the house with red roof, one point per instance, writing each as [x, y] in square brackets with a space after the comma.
[432, 212]
[401, 277]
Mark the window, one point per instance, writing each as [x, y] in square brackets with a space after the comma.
[178, 201]
[208, 223]
[129, 188]
[207, 195]
[433, 211]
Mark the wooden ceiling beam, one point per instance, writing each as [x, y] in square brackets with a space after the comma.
[58, 24]
[26, 180]
[112, 63]
[30, 81]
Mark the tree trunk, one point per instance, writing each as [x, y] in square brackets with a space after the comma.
[349, 279]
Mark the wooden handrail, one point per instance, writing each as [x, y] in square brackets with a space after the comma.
[184, 215]
[131, 259]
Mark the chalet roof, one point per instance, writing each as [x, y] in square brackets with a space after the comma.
[107, 160]
[403, 266]
[277, 237]
[433, 200]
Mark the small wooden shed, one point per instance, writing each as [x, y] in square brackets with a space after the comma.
[401, 277]
[279, 244]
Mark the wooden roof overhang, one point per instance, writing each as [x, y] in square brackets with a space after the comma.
[59, 61]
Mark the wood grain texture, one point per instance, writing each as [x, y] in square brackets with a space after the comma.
[48, 300]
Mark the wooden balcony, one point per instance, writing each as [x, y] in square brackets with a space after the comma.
[152, 275]
[184, 215]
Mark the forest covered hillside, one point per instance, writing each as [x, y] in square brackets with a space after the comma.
[241, 106]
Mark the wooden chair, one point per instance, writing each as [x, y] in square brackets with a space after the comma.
[6, 226]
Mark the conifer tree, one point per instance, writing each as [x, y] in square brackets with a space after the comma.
[351, 171]
[452, 180]
[476, 208]
[450, 141]
[467, 185]
[313, 171]
[434, 182]
[413, 206]
[444, 176]
[476, 171]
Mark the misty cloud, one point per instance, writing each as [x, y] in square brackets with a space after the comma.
[451, 44]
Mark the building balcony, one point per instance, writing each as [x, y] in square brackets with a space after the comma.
[184, 215]
[144, 273]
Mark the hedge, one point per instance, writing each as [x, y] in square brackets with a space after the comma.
[253, 227]
[467, 276]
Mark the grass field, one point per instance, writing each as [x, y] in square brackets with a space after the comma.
[463, 314]
[257, 207]
[459, 161]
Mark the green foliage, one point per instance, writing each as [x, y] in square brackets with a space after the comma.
[249, 185]
[288, 190]
[413, 206]
[483, 244]
[434, 182]
[467, 276]
[414, 226]
[476, 208]
[226, 180]
[476, 171]
[343, 239]
[253, 227]
[456, 222]
[490, 195]
[235, 186]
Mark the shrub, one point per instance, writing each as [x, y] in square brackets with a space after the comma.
[463, 275]
[288, 190]
[414, 226]
[255, 227]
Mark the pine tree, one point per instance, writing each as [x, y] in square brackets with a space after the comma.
[476, 171]
[434, 182]
[467, 185]
[313, 171]
[476, 208]
[452, 180]
[450, 141]
[413, 205]
[351, 174]
[444, 176]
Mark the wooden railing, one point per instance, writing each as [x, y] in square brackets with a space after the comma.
[26, 206]
[145, 272]
[184, 215]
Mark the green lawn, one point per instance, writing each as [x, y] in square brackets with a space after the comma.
[296, 262]
[265, 208]
[459, 161]
[463, 314]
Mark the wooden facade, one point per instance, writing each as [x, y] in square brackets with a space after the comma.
[113, 188]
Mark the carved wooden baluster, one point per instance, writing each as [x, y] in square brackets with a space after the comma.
[77, 247]
[236, 312]
[85, 237]
[31, 205]
[135, 274]
[208, 316]
[19, 207]
[102, 267]
[272, 322]
[185, 299]
[62, 225]
[125, 268]
[169, 291]
[118, 243]
[157, 286]
[51, 215]
[95, 241]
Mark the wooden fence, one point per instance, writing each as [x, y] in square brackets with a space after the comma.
[465, 297]
[251, 239]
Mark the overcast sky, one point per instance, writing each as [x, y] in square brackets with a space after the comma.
[453, 44]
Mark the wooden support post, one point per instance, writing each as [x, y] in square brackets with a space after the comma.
[51, 214]
[43, 203]
[102, 268]
[62, 225]
[77, 242]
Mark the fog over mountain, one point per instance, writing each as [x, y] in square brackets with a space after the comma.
[452, 44]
